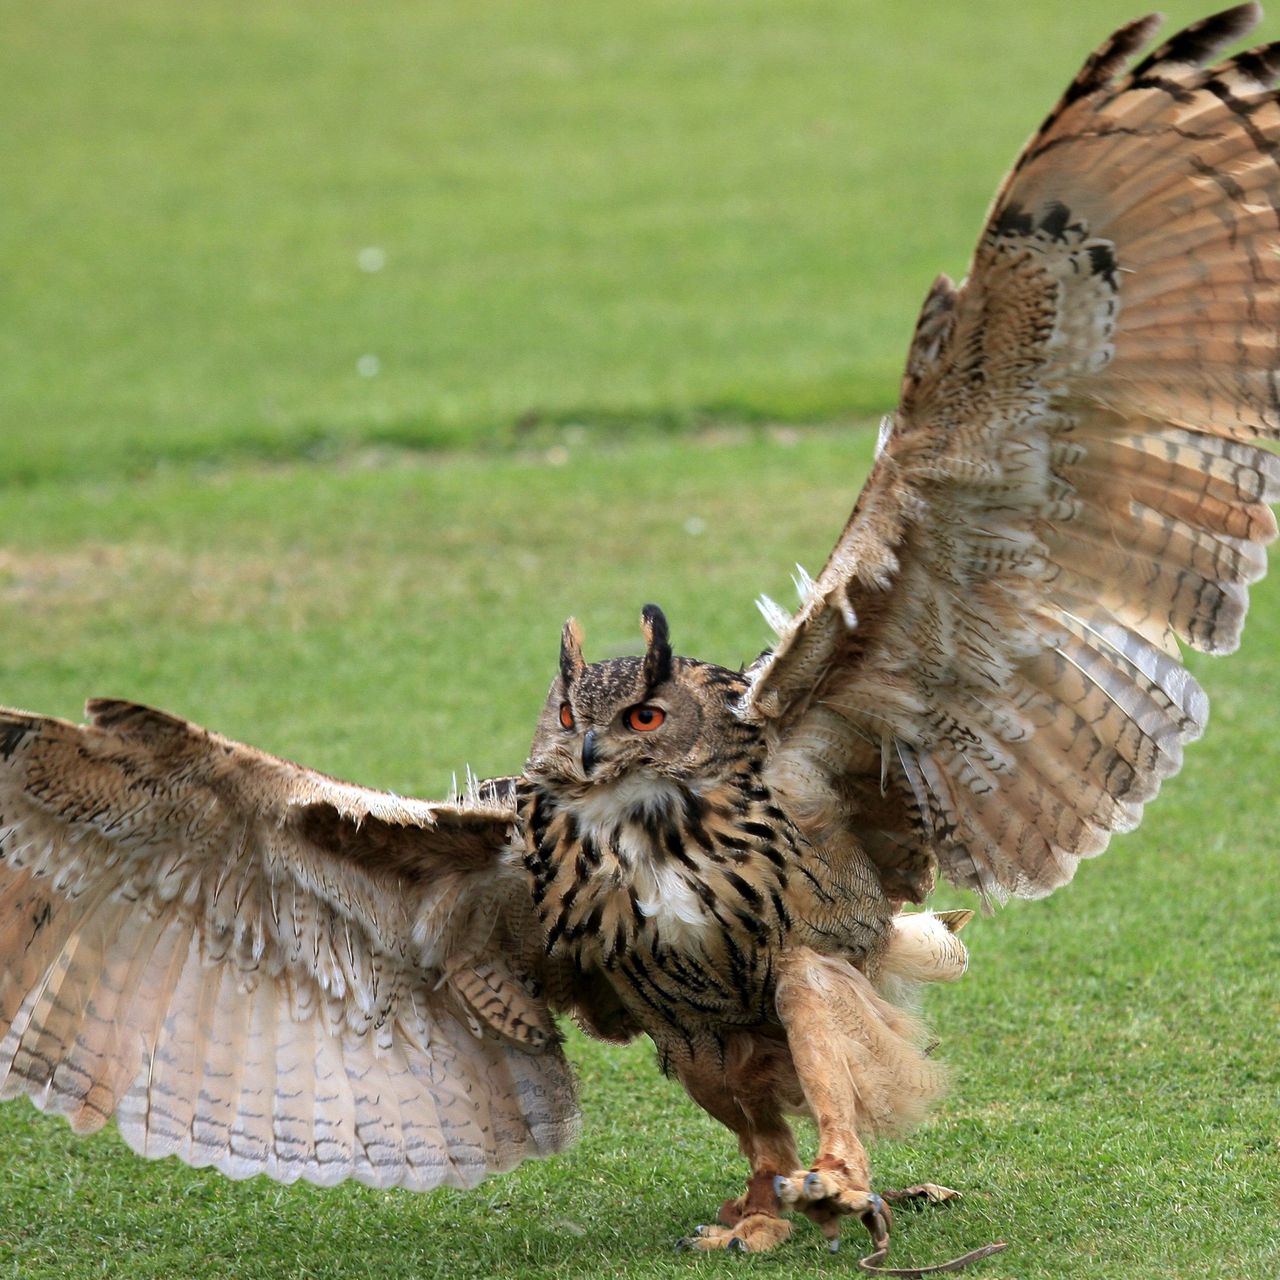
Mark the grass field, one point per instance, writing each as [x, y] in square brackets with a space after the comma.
[587, 212]
[620, 245]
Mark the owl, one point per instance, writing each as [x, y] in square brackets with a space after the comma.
[255, 967]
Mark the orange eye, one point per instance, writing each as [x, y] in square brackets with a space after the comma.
[645, 717]
[566, 715]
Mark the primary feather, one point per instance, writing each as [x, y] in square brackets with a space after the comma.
[223, 949]
[1065, 493]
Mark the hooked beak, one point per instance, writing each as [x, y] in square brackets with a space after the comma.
[588, 751]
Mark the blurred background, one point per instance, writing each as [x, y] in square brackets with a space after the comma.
[271, 227]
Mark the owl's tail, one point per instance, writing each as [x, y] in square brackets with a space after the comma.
[923, 947]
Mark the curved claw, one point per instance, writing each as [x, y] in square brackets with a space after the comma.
[878, 1221]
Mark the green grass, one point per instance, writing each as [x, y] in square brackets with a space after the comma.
[590, 212]
[600, 223]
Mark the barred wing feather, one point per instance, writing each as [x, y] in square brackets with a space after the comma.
[986, 676]
[258, 968]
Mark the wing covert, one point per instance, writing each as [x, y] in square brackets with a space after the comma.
[260, 968]
[986, 676]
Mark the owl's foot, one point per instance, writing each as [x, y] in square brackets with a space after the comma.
[755, 1233]
[830, 1194]
[830, 1190]
[827, 1196]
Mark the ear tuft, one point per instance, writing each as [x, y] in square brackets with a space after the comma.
[657, 646]
[571, 659]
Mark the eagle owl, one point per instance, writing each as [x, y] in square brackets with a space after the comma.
[259, 968]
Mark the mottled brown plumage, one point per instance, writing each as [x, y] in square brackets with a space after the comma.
[257, 967]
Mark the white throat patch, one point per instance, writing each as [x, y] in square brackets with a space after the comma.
[607, 806]
[613, 814]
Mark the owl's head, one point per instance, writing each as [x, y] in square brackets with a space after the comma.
[657, 714]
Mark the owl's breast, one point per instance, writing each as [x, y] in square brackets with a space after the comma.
[678, 895]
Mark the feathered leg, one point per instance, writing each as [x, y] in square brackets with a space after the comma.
[859, 1062]
[746, 1093]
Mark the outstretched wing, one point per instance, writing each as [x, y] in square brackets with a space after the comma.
[256, 967]
[986, 675]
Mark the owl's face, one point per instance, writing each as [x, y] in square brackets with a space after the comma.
[656, 715]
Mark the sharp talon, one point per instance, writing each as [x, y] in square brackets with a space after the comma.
[877, 1221]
